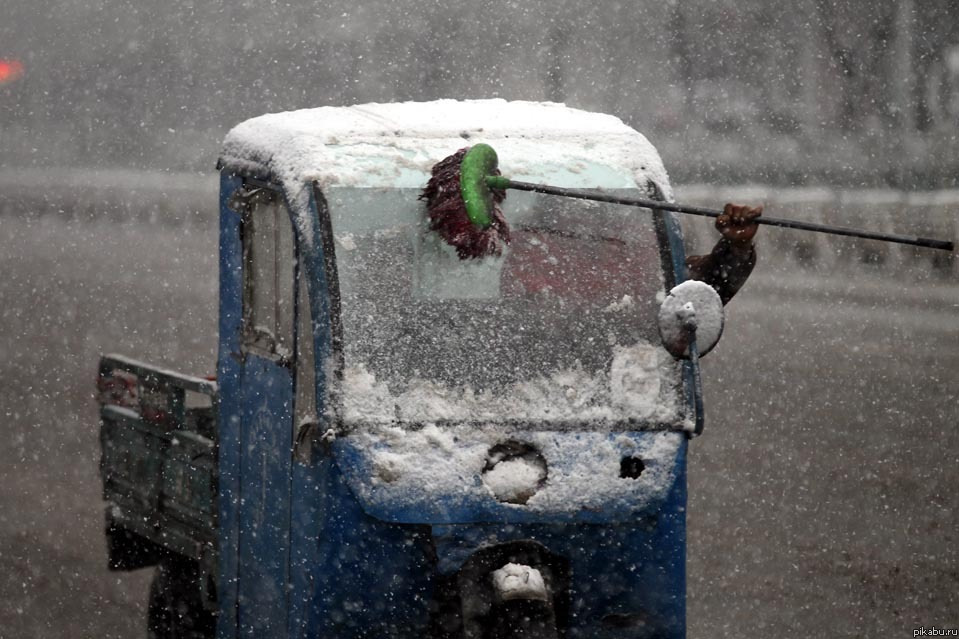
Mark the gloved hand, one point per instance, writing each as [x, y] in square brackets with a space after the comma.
[738, 224]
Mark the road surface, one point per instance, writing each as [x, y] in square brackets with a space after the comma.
[823, 499]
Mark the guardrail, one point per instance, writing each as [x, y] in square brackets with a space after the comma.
[190, 199]
[115, 195]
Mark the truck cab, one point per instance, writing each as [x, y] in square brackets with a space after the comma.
[400, 442]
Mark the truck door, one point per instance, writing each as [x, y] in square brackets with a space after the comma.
[266, 433]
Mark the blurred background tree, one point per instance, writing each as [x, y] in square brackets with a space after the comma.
[813, 91]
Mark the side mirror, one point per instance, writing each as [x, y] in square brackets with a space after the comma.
[692, 310]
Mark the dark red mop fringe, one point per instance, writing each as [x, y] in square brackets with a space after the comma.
[447, 213]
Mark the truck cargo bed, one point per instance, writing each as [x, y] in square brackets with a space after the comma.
[159, 462]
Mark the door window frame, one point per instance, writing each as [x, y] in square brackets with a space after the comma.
[277, 344]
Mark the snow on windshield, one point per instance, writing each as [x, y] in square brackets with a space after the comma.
[561, 330]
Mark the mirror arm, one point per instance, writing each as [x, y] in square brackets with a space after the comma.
[697, 379]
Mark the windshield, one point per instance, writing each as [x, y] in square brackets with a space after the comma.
[560, 330]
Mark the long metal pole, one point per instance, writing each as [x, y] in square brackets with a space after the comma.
[599, 196]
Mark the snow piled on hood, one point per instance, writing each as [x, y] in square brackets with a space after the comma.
[445, 464]
[635, 388]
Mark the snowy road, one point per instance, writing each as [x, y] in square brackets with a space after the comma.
[823, 492]
[823, 496]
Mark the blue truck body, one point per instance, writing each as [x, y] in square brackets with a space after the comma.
[320, 523]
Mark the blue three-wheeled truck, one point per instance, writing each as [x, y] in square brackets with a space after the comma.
[402, 443]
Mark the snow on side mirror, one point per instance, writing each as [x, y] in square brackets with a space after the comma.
[691, 307]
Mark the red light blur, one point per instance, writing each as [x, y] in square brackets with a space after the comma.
[10, 70]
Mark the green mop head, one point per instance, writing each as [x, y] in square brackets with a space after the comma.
[463, 208]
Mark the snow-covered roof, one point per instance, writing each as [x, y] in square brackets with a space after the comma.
[396, 145]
